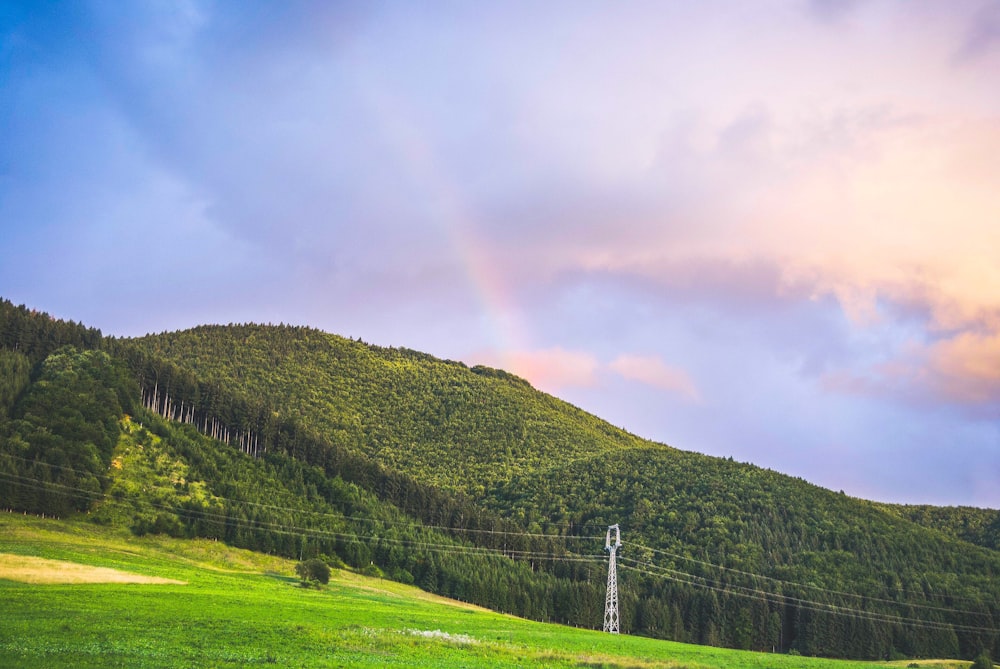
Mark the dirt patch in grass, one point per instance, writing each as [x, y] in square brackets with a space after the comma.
[30, 569]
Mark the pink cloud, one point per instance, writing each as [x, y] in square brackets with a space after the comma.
[550, 369]
[891, 214]
[963, 369]
[966, 368]
[652, 371]
[555, 369]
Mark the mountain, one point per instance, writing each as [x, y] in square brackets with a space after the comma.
[473, 484]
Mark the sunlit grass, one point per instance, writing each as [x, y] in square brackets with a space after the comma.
[239, 608]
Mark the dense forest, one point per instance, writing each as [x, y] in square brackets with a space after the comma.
[470, 483]
[977, 526]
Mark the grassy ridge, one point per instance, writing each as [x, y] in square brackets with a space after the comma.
[243, 609]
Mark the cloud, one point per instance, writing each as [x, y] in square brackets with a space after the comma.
[962, 369]
[549, 369]
[557, 369]
[837, 187]
[966, 368]
[981, 36]
[831, 10]
[652, 371]
[897, 225]
[806, 192]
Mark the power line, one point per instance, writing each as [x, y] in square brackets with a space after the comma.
[647, 568]
[674, 575]
[298, 531]
[806, 604]
[808, 585]
[533, 535]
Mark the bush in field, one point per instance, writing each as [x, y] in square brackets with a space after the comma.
[982, 662]
[313, 570]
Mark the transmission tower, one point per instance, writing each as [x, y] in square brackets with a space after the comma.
[611, 600]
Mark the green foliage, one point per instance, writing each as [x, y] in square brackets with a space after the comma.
[169, 479]
[982, 661]
[977, 526]
[36, 334]
[458, 428]
[313, 570]
[62, 432]
[14, 378]
[151, 489]
[817, 545]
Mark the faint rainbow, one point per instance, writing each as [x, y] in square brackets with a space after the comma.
[477, 262]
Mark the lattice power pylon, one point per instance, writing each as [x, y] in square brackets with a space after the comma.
[611, 600]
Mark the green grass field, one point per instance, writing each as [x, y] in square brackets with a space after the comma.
[238, 608]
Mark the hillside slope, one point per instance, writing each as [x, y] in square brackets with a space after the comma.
[459, 427]
[977, 526]
[552, 466]
[236, 609]
[716, 552]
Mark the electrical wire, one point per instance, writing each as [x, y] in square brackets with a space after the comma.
[533, 535]
[809, 605]
[317, 533]
[646, 568]
[805, 585]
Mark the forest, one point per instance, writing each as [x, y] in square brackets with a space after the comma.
[470, 483]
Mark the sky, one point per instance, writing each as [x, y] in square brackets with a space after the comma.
[767, 231]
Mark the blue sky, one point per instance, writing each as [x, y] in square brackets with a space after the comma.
[766, 230]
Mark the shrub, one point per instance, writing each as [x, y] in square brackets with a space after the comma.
[372, 570]
[982, 662]
[313, 571]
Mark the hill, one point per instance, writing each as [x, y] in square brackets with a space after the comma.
[479, 487]
[225, 607]
[460, 428]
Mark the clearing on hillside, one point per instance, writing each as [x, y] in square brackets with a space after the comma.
[36, 570]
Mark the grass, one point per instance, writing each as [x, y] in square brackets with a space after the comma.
[238, 608]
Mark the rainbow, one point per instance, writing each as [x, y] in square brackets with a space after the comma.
[487, 281]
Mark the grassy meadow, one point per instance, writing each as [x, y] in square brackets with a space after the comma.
[235, 608]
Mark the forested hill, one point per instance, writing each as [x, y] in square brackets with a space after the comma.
[474, 459]
[466, 429]
[527, 455]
